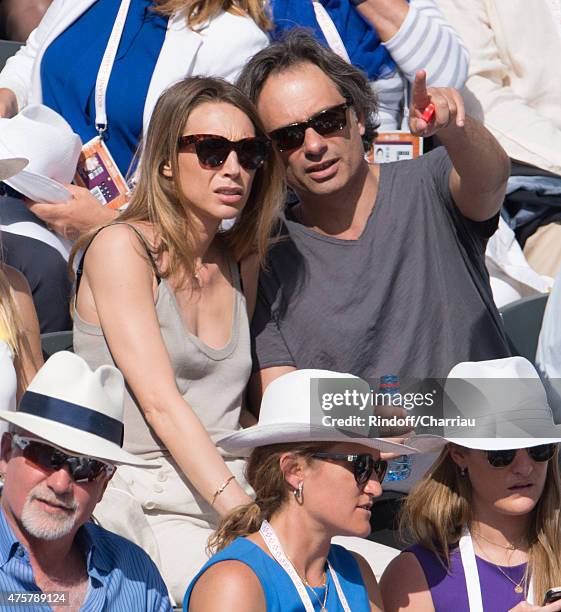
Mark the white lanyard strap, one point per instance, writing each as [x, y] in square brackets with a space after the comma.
[275, 548]
[107, 66]
[473, 585]
[330, 32]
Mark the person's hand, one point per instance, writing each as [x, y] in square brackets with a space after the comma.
[8, 103]
[448, 107]
[524, 606]
[79, 214]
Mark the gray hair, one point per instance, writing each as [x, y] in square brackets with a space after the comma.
[299, 47]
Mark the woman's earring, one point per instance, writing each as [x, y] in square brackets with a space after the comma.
[298, 492]
[463, 472]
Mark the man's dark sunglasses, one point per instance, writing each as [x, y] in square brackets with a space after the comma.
[82, 469]
[363, 465]
[212, 151]
[326, 122]
[502, 458]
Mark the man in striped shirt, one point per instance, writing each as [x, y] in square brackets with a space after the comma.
[51, 556]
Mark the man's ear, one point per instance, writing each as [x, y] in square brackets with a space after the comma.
[106, 480]
[5, 451]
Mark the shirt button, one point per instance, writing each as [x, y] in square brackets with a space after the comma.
[162, 477]
[150, 505]
[158, 488]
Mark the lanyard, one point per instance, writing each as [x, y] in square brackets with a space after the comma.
[330, 32]
[107, 66]
[275, 548]
[473, 585]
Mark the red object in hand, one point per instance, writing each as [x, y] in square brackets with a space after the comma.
[428, 113]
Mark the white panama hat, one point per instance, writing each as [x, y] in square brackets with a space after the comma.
[40, 135]
[75, 409]
[507, 400]
[286, 415]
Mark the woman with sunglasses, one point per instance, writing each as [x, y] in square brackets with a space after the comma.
[159, 294]
[311, 483]
[486, 518]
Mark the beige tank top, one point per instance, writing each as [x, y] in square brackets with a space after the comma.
[211, 380]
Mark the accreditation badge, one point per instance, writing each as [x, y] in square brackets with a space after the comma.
[395, 146]
[98, 172]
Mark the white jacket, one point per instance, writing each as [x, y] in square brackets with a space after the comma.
[514, 82]
[219, 48]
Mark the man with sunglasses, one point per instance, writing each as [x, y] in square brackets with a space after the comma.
[382, 266]
[60, 453]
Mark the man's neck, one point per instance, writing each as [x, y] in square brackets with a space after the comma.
[342, 214]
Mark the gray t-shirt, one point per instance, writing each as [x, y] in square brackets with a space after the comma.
[410, 297]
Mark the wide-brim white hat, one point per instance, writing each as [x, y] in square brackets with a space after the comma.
[507, 400]
[10, 166]
[287, 415]
[42, 136]
[69, 406]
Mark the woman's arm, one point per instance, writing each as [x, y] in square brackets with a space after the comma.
[404, 586]
[30, 357]
[121, 284]
[228, 585]
[374, 594]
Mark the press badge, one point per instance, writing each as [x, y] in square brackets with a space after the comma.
[395, 146]
[98, 172]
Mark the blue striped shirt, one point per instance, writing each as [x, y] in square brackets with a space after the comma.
[121, 575]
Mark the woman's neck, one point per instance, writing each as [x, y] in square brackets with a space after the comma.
[304, 543]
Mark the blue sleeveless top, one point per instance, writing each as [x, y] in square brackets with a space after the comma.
[71, 62]
[280, 593]
[449, 591]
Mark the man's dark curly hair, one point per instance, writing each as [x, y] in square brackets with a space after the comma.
[299, 47]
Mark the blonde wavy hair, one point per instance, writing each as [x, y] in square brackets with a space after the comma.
[199, 11]
[272, 491]
[10, 323]
[159, 200]
[440, 506]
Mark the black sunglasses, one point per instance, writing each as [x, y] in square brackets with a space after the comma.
[502, 458]
[327, 121]
[82, 469]
[363, 465]
[212, 151]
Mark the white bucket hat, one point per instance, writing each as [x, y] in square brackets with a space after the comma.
[286, 416]
[42, 136]
[507, 400]
[10, 166]
[78, 410]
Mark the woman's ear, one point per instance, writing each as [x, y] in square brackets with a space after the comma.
[165, 169]
[459, 455]
[291, 466]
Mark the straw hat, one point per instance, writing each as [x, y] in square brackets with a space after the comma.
[290, 412]
[78, 410]
[507, 400]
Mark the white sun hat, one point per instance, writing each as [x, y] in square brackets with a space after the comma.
[75, 409]
[291, 412]
[10, 166]
[507, 400]
[42, 136]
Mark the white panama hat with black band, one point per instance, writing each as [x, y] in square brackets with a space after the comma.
[76, 409]
[286, 416]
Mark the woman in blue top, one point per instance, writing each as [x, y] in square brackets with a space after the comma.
[311, 483]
